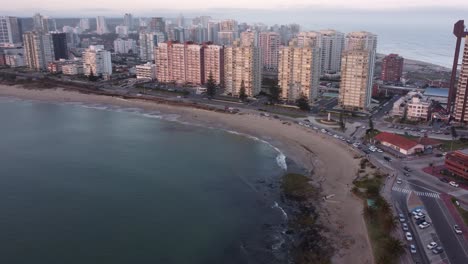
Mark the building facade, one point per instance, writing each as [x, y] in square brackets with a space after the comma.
[146, 71]
[242, 66]
[213, 58]
[148, 42]
[157, 24]
[392, 68]
[122, 31]
[332, 46]
[84, 24]
[101, 25]
[97, 61]
[269, 43]
[457, 163]
[38, 49]
[60, 45]
[10, 30]
[228, 32]
[357, 71]
[124, 46]
[460, 112]
[299, 71]
[128, 21]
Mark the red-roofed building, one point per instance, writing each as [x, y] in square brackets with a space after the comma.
[399, 143]
[457, 162]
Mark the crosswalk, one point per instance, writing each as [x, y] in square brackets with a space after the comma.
[427, 194]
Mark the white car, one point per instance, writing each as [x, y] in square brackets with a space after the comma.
[315, 128]
[432, 245]
[454, 184]
[336, 136]
[413, 249]
[457, 229]
[408, 236]
[404, 226]
[399, 181]
[402, 218]
[323, 131]
[424, 225]
[372, 149]
[379, 151]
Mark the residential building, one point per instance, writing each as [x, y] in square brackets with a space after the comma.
[228, 32]
[194, 64]
[460, 112]
[248, 38]
[84, 24]
[414, 105]
[242, 66]
[149, 41]
[392, 68]
[10, 30]
[146, 71]
[97, 61]
[101, 25]
[456, 162]
[213, 58]
[38, 50]
[128, 21]
[122, 31]
[399, 143]
[171, 62]
[332, 47]
[124, 46]
[212, 31]
[312, 38]
[157, 24]
[73, 68]
[12, 56]
[40, 23]
[357, 71]
[299, 70]
[60, 45]
[269, 43]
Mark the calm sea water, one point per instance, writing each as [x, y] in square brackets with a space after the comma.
[83, 185]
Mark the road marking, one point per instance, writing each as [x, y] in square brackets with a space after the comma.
[427, 194]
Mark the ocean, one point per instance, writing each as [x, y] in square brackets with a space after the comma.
[98, 184]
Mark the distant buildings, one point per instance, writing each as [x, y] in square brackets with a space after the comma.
[242, 67]
[84, 24]
[148, 41]
[128, 21]
[299, 70]
[392, 68]
[10, 30]
[228, 32]
[74, 68]
[38, 50]
[122, 31]
[212, 31]
[357, 71]
[157, 24]
[332, 47]
[460, 112]
[269, 43]
[97, 61]
[12, 56]
[101, 25]
[146, 71]
[124, 46]
[60, 45]
[43, 24]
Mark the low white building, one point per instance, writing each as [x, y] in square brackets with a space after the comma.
[124, 46]
[146, 71]
[416, 105]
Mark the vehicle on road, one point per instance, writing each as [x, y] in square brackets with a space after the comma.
[379, 150]
[399, 181]
[402, 218]
[408, 236]
[387, 158]
[413, 249]
[417, 217]
[437, 250]
[457, 229]
[444, 180]
[420, 221]
[406, 174]
[454, 184]
[424, 225]
[432, 245]
[407, 169]
[404, 226]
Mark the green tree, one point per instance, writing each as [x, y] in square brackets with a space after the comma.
[303, 103]
[242, 93]
[371, 124]
[342, 123]
[210, 86]
[274, 92]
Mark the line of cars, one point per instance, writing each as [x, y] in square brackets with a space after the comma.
[420, 220]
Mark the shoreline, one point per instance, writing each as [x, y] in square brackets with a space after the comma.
[331, 166]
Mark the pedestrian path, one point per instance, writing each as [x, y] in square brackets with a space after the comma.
[427, 194]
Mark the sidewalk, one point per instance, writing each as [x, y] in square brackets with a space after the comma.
[454, 212]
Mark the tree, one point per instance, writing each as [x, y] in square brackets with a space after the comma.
[405, 114]
[274, 92]
[242, 94]
[210, 86]
[342, 123]
[303, 103]
[91, 76]
[371, 124]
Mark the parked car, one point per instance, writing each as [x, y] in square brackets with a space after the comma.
[408, 236]
[404, 226]
[424, 225]
[417, 217]
[432, 245]
[399, 181]
[402, 218]
[413, 249]
[437, 250]
[444, 180]
[379, 150]
[387, 158]
[457, 229]
[407, 169]
[420, 221]
[454, 184]
[406, 174]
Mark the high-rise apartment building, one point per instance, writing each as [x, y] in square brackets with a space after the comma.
[332, 47]
[213, 57]
[157, 24]
[460, 111]
[269, 43]
[312, 38]
[148, 41]
[101, 25]
[10, 30]
[38, 49]
[97, 61]
[84, 24]
[40, 23]
[392, 68]
[299, 70]
[357, 70]
[228, 32]
[194, 64]
[212, 31]
[60, 45]
[128, 21]
[124, 46]
[248, 38]
[242, 66]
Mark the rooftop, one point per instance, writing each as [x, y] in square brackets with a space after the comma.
[396, 140]
[438, 92]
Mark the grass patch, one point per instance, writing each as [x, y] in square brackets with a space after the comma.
[297, 187]
[461, 211]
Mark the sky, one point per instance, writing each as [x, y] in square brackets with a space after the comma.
[53, 7]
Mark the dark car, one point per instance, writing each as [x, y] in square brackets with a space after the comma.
[387, 158]
[407, 169]
[420, 221]
[438, 250]
[444, 180]
[406, 174]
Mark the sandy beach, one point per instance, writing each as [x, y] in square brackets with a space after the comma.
[331, 161]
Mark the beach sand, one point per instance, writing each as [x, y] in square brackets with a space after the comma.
[331, 161]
